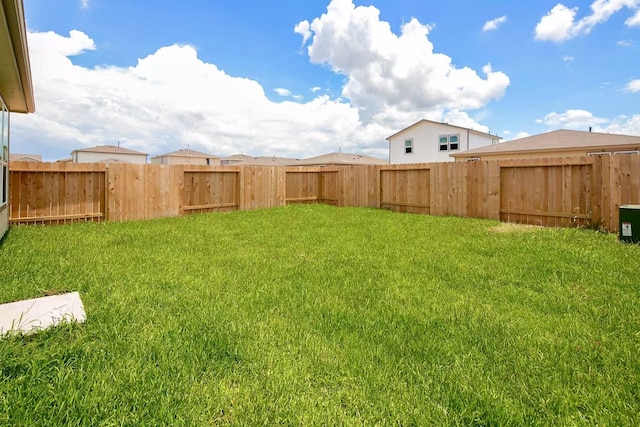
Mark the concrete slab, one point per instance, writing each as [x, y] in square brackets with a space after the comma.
[30, 316]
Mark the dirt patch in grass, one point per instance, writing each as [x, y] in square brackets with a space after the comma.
[510, 227]
[52, 292]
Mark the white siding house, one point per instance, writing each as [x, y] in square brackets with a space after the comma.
[16, 89]
[186, 157]
[427, 141]
[107, 154]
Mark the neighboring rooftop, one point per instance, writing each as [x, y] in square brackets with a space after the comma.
[324, 159]
[187, 152]
[342, 159]
[111, 149]
[560, 140]
[243, 159]
[25, 157]
[443, 123]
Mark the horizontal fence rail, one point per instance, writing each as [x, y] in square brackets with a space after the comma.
[557, 192]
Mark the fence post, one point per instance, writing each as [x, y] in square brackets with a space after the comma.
[596, 190]
[281, 186]
[493, 172]
[105, 206]
[241, 172]
[616, 196]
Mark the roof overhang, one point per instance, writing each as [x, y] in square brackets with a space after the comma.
[420, 122]
[542, 151]
[15, 70]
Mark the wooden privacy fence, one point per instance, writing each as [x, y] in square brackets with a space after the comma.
[549, 192]
[56, 192]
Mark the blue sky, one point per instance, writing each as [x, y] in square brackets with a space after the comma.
[298, 79]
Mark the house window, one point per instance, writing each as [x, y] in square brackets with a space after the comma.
[444, 143]
[449, 142]
[408, 146]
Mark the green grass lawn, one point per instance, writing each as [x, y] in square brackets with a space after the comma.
[315, 315]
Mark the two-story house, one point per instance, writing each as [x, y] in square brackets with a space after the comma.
[427, 141]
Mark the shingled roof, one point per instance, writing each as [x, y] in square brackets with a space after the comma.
[559, 140]
[442, 123]
[107, 149]
[342, 159]
[243, 159]
[187, 152]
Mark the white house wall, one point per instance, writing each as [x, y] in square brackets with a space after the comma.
[92, 157]
[184, 160]
[158, 160]
[426, 143]
[4, 219]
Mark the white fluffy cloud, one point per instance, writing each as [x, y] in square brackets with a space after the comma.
[287, 94]
[571, 119]
[633, 86]
[282, 92]
[303, 29]
[460, 118]
[583, 120]
[494, 23]
[556, 25]
[386, 71]
[560, 25]
[623, 124]
[54, 46]
[172, 98]
[521, 135]
[509, 136]
[634, 21]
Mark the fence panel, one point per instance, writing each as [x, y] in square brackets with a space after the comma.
[144, 191]
[358, 186]
[209, 190]
[56, 193]
[126, 192]
[482, 189]
[163, 191]
[620, 186]
[303, 186]
[406, 190]
[311, 185]
[329, 187]
[476, 202]
[262, 187]
[449, 189]
[549, 192]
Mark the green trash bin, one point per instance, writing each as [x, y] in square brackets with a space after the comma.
[630, 223]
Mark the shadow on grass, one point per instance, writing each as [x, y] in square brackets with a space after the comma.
[4, 238]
